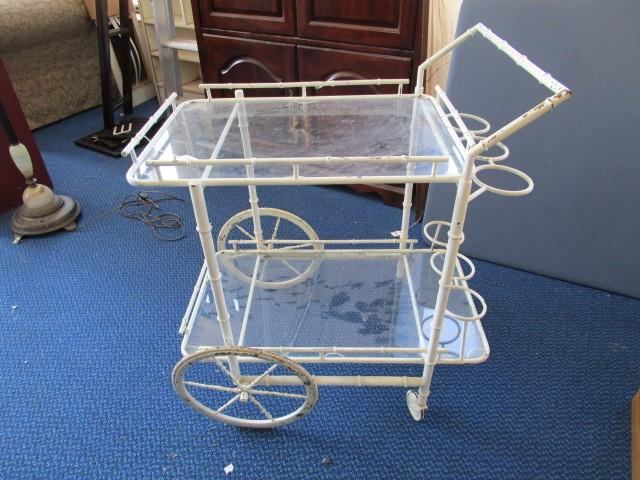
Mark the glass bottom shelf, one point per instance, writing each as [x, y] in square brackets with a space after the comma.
[330, 300]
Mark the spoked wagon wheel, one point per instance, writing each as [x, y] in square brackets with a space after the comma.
[276, 271]
[273, 392]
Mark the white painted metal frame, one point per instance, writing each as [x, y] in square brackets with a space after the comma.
[463, 193]
[295, 178]
[456, 269]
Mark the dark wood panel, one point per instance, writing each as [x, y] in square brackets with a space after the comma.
[235, 60]
[369, 13]
[311, 42]
[389, 23]
[327, 64]
[261, 16]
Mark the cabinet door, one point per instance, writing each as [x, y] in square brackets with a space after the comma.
[389, 23]
[226, 59]
[327, 64]
[259, 16]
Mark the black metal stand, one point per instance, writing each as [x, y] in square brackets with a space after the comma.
[104, 34]
[115, 135]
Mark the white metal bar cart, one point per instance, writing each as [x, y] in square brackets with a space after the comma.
[271, 295]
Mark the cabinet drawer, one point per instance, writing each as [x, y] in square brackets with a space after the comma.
[258, 16]
[327, 64]
[226, 59]
[389, 23]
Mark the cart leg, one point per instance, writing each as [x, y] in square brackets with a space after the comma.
[453, 246]
[406, 209]
[211, 258]
[408, 189]
[406, 216]
[243, 124]
[411, 168]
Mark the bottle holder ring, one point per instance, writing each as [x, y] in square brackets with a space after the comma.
[471, 294]
[439, 226]
[451, 330]
[478, 134]
[464, 260]
[502, 191]
[493, 158]
[484, 126]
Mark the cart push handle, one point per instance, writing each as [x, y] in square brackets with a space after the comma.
[560, 92]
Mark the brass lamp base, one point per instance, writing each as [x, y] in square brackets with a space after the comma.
[43, 212]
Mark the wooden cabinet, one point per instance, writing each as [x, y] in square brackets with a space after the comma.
[330, 64]
[388, 23]
[258, 16]
[229, 60]
[287, 40]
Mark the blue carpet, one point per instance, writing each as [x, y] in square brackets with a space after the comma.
[87, 353]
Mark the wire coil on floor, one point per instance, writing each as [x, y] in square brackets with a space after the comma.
[141, 207]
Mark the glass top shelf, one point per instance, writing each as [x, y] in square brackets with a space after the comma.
[319, 135]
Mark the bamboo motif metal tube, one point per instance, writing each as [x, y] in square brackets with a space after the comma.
[187, 161]
[246, 147]
[450, 259]
[333, 380]
[169, 102]
[522, 61]
[192, 300]
[291, 180]
[408, 188]
[326, 253]
[220, 142]
[247, 308]
[301, 99]
[317, 84]
[284, 241]
[520, 122]
[206, 239]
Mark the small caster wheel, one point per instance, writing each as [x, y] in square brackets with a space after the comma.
[412, 403]
[16, 239]
[70, 227]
